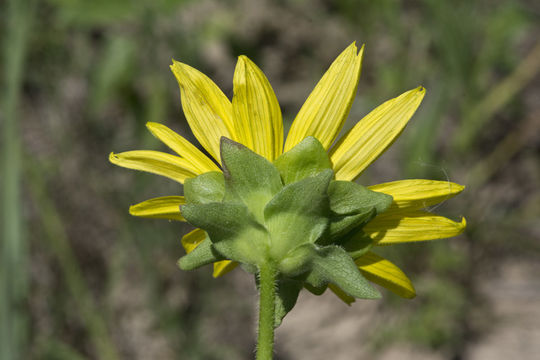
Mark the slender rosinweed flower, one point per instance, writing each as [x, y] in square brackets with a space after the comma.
[291, 205]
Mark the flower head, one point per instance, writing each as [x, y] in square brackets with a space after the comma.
[292, 203]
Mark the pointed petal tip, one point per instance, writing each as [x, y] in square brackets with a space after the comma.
[152, 126]
[409, 296]
[175, 65]
[223, 140]
[247, 63]
[456, 188]
[361, 51]
[132, 211]
[113, 157]
[463, 224]
[354, 49]
[244, 60]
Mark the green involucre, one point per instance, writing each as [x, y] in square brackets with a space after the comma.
[290, 215]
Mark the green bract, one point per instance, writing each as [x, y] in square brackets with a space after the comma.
[290, 215]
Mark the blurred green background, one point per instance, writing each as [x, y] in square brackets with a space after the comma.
[81, 279]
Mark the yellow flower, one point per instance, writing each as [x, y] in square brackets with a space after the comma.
[253, 118]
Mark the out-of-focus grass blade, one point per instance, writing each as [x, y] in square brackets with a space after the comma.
[59, 244]
[497, 98]
[114, 68]
[422, 142]
[18, 15]
[52, 349]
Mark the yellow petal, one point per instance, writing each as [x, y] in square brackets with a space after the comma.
[368, 139]
[407, 226]
[192, 239]
[223, 267]
[156, 162]
[384, 273]
[207, 109]
[418, 194]
[346, 298]
[182, 147]
[327, 107]
[167, 207]
[257, 116]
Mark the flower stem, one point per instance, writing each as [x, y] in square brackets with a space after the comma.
[267, 283]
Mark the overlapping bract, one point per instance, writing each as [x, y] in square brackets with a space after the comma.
[256, 215]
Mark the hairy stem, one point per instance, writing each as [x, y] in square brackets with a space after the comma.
[265, 341]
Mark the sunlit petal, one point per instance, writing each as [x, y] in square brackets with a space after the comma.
[156, 162]
[327, 107]
[207, 109]
[167, 207]
[182, 147]
[408, 226]
[384, 273]
[372, 135]
[257, 115]
[418, 193]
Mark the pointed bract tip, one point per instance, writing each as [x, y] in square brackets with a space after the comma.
[229, 142]
[225, 140]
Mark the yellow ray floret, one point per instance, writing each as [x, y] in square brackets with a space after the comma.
[327, 107]
[167, 207]
[182, 147]
[207, 109]
[408, 226]
[156, 162]
[382, 272]
[256, 111]
[223, 267]
[372, 135]
[192, 239]
[418, 194]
